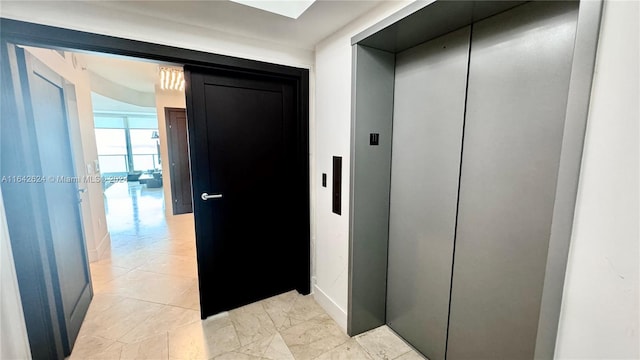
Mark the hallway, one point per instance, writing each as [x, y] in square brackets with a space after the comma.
[145, 303]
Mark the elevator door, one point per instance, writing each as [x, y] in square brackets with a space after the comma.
[519, 72]
[430, 85]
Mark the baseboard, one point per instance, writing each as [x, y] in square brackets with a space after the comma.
[335, 311]
[104, 246]
[93, 255]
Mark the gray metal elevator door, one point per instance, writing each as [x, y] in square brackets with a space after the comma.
[519, 73]
[430, 85]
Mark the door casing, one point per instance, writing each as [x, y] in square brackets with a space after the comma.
[33, 263]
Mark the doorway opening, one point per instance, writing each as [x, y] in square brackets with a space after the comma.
[139, 252]
[159, 274]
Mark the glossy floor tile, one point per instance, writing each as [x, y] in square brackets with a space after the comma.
[383, 344]
[146, 302]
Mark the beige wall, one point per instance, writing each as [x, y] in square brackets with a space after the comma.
[84, 148]
[174, 99]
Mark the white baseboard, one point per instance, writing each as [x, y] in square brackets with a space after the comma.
[93, 255]
[104, 246]
[335, 311]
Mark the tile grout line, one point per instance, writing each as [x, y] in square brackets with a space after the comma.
[168, 348]
[235, 331]
[273, 336]
[403, 354]
[269, 315]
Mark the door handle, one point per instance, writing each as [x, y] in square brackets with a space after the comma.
[206, 196]
[80, 192]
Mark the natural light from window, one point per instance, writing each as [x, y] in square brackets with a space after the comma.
[127, 143]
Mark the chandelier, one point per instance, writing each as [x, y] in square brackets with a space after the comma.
[171, 79]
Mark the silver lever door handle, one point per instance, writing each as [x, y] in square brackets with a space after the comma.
[206, 196]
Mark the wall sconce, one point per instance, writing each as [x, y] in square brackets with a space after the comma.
[171, 79]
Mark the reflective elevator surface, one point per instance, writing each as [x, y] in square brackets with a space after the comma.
[461, 214]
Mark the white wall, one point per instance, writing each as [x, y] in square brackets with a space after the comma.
[14, 343]
[174, 99]
[85, 151]
[332, 138]
[599, 316]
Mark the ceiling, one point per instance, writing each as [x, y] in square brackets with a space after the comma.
[126, 74]
[135, 74]
[105, 104]
[321, 19]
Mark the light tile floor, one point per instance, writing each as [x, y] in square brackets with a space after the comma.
[146, 302]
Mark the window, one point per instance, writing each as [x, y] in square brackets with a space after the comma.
[112, 150]
[144, 149]
[127, 143]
